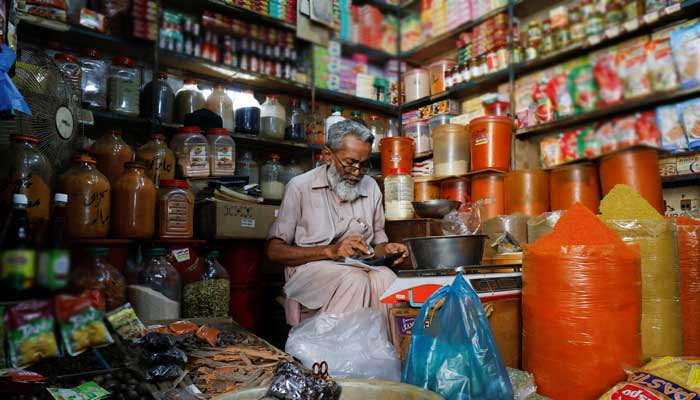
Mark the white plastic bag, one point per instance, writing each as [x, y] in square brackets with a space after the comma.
[354, 345]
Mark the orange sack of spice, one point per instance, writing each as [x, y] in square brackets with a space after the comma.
[689, 260]
[582, 289]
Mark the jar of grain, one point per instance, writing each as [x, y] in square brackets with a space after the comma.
[158, 158]
[206, 291]
[191, 150]
[272, 178]
[111, 153]
[95, 272]
[134, 203]
[398, 195]
[155, 290]
[175, 209]
[89, 194]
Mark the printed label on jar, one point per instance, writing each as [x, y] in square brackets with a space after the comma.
[224, 154]
[198, 156]
[481, 140]
[181, 255]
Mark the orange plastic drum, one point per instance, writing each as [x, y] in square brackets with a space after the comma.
[637, 168]
[396, 153]
[455, 189]
[574, 183]
[489, 186]
[490, 142]
[425, 189]
[527, 192]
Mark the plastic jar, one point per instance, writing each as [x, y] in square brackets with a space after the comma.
[377, 131]
[25, 170]
[206, 292]
[94, 78]
[221, 104]
[420, 133]
[155, 291]
[451, 150]
[425, 188]
[437, 120]
[398, 195]
[134, 203]
[158, 158]
[175, 209]
[336, 116]
[455, 189]
[188, 100]
[191, 150]
[222, 152]
[489, 186]
[158, 100]
[271, 179]
[526, 192]
[500, 108]
[111, 153]
[396, 153]
[574, 183]
[247, 166]
[296, 130]
[392, 128]
[88, 212]
[69, 66]
[437, 74]
[636, 167]
[416, 84]
[124, 83]
[490, 142]
[95, 272]
[273, 118]
[246, 111]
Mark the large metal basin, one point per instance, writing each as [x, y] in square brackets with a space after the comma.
[353, 389]
[442, 252]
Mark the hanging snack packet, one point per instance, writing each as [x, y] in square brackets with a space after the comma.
[685, 44]
[647, 130]
[125, 322]
[690, 118]
[606, 77]
[558, 91]
[81, 323]
[588, 143]
[30, 333]
[583, 88]
[632, 68]
[662, 71]
[550, 152]
[544, 108]
[569, 146]
[669, 122]
[625, 131]
[606, 137]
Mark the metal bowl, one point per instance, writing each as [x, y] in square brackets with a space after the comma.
[435, 208]
[442, 252]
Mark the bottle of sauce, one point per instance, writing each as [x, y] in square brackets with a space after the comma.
[88, 211]
[54, 259]
[246, 113]
[18, 254]
[158, 158]
[220, 104]
[134, 203]
[111, 152]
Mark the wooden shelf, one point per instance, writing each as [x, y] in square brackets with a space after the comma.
[596, 158]
[374, 56]
[231, 10]
[354, 101]
[680, 180]
[267, 144]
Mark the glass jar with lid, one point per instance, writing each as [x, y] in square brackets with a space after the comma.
[247, 166]
[155, 290]
[188, 100]
[222, 152]
[292, 169]
[206, 291]
[273, 118]
[191, 150]
[95, 272]
[221, 104]
[71, 70]
[577, 28]
[271, 179]
[124, 83]
[377, 130]
[25, 170]
[111, 152]
[94, 78]
[175, 209]
[398, 195]
[88, 212]
[158, 100]
[158, 158]
[547, 43]
[134, 203]
[392, 129]
[296, 130]
[246, 112]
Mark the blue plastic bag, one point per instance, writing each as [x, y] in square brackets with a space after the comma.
[455, 354]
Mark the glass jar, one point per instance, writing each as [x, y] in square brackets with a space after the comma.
[88, 212]
[247, 166]
[221, 104]
[188, 100]
[456, 75]
[398, 196]
[271, 180]
[562, 37]
[273, 119]
[392, 129]
[594, 20]
[111, 152]
[155, 291]
[577, 28]
[69, 66]
[134, 203]
[158, 158]
[315, 130]
[95, 272]
[222, 152]
[614, 15]
[291, 170]
[296, 130]
[191, 150]
[159, 94]
[534, 34]
[377, 131]
[547, 44]
[175, 209]
[124, 83]
[25, 170]
[246, 111]
[206, 292]
[94, 78]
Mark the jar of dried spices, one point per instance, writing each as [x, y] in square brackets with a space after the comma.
[95, 272]
[207, 289]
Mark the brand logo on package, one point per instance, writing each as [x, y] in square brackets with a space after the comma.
[667, 388]
[405, 324]
[480, 140]
[633, 392]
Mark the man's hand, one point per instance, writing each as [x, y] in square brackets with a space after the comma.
[349, 247]
[392, 248]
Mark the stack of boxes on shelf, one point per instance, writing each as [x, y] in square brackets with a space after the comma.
[283, 9]
[440, 16]
[144, 17]
[368, 26]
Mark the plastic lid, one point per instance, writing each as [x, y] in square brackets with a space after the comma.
[360, 58]
[24, 138]
[62, 197]
[398, 171]
[218, 131]
[134, 164]
[272, 96]
[174, 183]
[337, 108]
[97, 251]
[123, 61]
[83, 158]
[154, 252]
[189, 129]
[355, 113]
[396, 139]
[18, 198]
[93, 53]
[487, 118]
[277, 156]
[66, 57]
[418, 123]
[157, 136]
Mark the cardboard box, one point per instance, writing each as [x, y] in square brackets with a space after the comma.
[681, 200]
[216, 219]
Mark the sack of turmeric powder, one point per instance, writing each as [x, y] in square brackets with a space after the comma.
[667, 378]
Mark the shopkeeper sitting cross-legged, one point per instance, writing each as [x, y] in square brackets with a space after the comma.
[329, 213]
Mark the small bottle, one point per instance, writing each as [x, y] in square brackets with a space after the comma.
[54, 258]
[18, 259]
[296, 130]
[357, 117]
[332, 119]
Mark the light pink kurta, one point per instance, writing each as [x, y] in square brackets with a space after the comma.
[313, 215]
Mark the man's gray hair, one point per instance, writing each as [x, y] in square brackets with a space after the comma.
[338, 131]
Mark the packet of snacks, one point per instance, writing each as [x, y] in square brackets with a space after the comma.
[685, 45]
[82, 322]
[30, 333]
[667, 378]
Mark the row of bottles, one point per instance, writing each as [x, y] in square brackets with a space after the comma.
[373, 125]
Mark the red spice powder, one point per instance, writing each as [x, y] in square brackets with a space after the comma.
[686, 221]
[578, 226]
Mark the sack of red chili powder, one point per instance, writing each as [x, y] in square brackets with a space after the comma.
[576, 280]
[689, 260]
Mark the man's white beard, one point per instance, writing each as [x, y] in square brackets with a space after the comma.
[344, 190]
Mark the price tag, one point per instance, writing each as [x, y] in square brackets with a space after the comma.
[632, 25]
[181, 255]
[674, 8]
[612, 31]
[651, 17]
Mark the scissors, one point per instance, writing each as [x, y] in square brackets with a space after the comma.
[320, 370]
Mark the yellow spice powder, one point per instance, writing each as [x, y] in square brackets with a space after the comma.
[623, 202]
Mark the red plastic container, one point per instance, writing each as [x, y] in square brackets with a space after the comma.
[490, 142]
[245, 305]
[455, 189]
[243, 261]
[636, 167]
[489, 186]
[396, 153]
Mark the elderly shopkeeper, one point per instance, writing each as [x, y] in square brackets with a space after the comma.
[329, 213]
